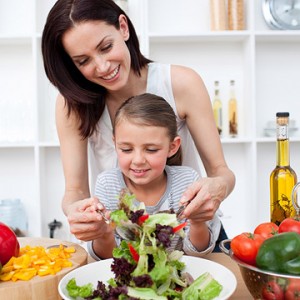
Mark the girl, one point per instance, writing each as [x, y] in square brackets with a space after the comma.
[149, 156]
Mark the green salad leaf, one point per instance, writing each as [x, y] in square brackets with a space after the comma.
[79, 291]
[144, 293]
[205, 287]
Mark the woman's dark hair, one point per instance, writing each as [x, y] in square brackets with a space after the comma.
[151, 110]
[82, 96]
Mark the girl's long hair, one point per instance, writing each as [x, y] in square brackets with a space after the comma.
[82, 96]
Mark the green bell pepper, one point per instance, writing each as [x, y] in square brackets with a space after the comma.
[280, 253]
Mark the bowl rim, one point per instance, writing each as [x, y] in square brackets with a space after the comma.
[230, 253]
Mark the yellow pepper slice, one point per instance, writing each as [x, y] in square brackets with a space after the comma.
[36, 260]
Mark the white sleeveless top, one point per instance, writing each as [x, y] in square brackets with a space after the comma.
[102, 154]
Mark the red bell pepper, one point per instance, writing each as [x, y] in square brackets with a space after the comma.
[180, 226]
[134, 253]
[142, 219]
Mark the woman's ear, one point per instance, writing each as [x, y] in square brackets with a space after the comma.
[174, 146]
[124, 27]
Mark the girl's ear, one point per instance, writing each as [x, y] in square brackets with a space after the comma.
[174, 146]
[124, 27]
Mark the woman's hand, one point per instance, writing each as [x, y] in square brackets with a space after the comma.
[206, 195]
[85, 222]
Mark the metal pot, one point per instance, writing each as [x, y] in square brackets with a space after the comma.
[258, 280]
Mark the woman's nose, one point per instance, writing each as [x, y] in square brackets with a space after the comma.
[102, 65]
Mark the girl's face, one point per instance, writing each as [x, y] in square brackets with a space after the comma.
[143, 151]
[99, 52]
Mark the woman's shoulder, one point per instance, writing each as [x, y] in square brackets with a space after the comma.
[183, 77]
[188, 89]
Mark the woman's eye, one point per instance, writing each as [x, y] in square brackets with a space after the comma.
[107, 47]
[82, 62]
[125, 150]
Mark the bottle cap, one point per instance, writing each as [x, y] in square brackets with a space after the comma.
[282, 114]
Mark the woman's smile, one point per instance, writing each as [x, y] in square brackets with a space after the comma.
[112, 75]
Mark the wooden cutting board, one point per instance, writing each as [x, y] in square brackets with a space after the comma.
[46, 287]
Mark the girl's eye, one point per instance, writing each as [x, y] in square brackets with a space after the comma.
[152, 150]
[126, 150]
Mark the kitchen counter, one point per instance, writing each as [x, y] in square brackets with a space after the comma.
[241, 291]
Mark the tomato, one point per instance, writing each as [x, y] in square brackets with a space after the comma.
[267, 229]
[245, 246]
[142, 219]
[292, 291]
[272, 291]
[289, 224]
[134, 253]
[9, 245]
[179, 227]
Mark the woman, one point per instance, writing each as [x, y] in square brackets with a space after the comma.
[91, 54]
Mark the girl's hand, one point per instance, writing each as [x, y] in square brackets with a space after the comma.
[85, 222]
[206, 195]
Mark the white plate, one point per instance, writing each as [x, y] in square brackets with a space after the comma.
[195, 266]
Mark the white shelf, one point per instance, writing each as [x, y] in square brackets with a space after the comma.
[265, 64]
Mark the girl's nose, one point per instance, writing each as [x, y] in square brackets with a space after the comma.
[138, 158]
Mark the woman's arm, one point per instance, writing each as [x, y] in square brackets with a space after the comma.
[73, 155]
[79, 207]
[194, 105]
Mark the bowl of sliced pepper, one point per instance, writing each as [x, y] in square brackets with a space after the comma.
[275, 272]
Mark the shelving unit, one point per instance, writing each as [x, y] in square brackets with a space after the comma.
[264, 63]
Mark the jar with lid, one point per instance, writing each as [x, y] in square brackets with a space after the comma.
[236, 15]
[217, 15]
[12, 213]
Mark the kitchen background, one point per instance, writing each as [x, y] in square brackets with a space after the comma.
[264, 63]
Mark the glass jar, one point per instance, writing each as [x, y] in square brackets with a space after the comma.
[12, 213]
[217, 15]
[236, 15]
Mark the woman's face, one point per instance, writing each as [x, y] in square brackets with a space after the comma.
[99, 52]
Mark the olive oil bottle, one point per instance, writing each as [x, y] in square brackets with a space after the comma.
[283, 178]
[217, 108]
[232, 111]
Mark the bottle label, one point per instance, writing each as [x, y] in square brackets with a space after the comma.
[282, 132]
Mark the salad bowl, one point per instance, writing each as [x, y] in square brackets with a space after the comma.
[100, 271]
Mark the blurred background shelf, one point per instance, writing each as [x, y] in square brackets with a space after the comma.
[264, 63]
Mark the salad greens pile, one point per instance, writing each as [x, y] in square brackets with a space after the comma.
[144, 267]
